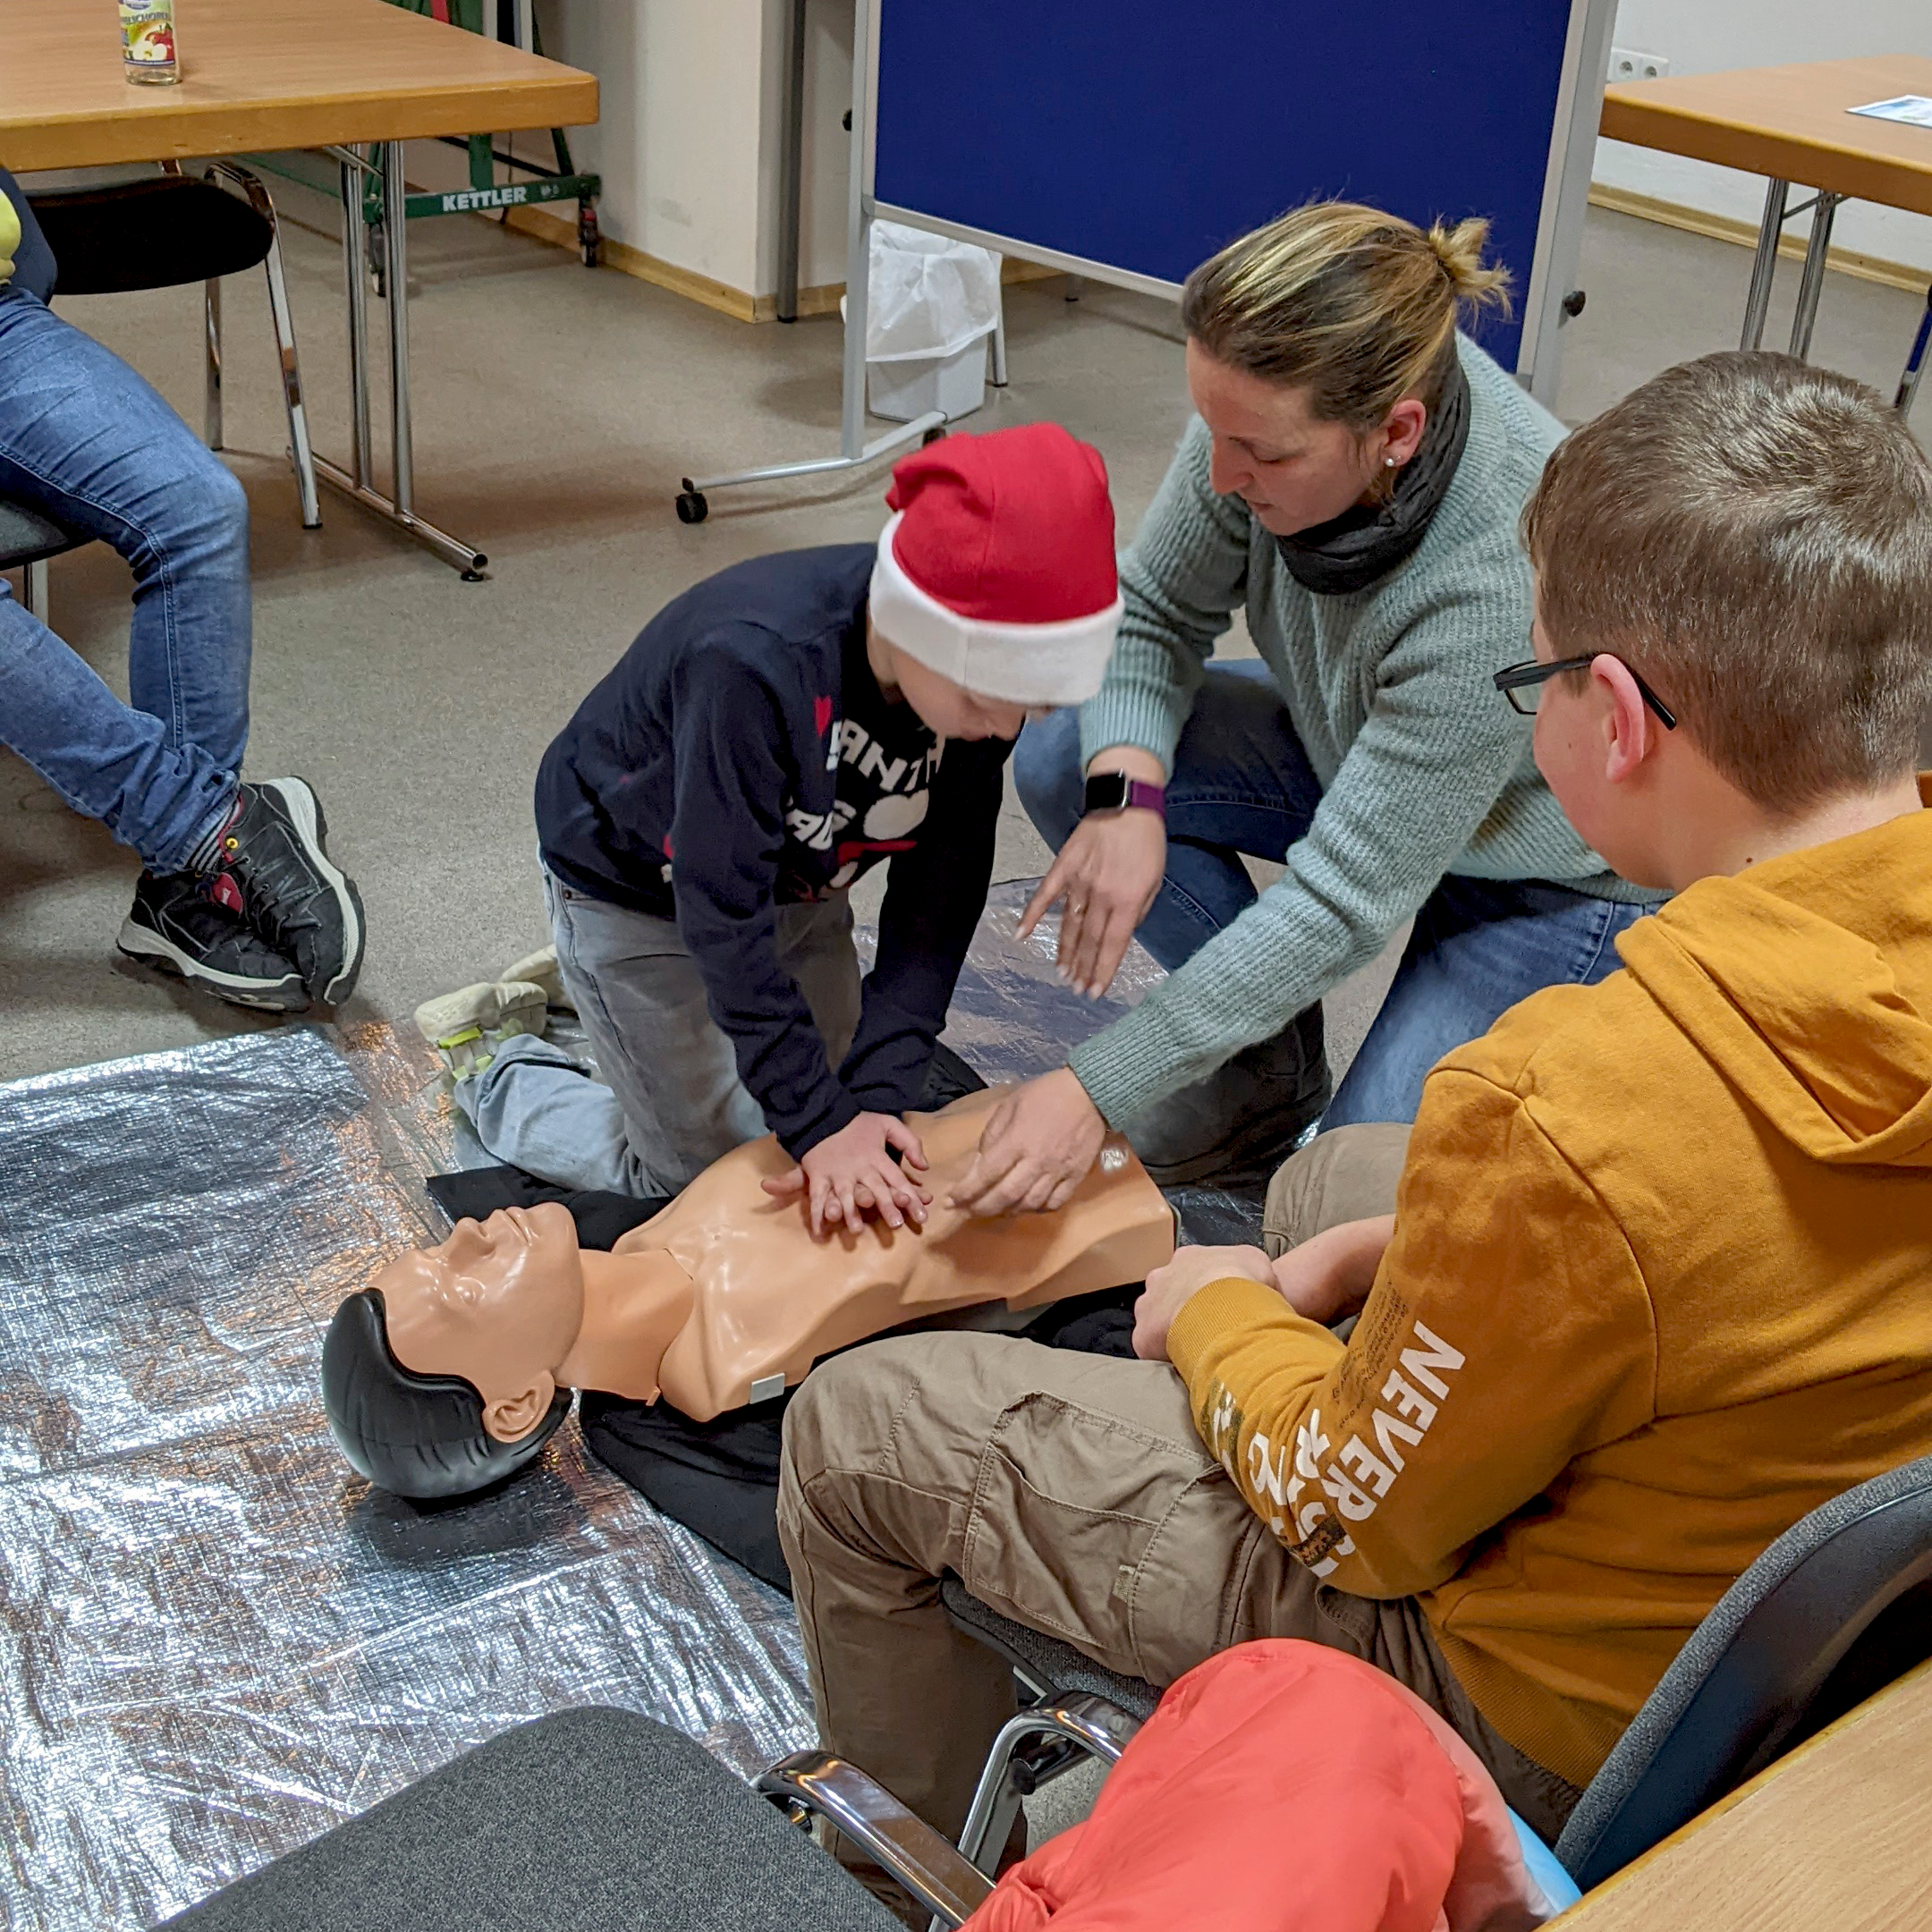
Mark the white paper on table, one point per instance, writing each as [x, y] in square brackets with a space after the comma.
[1914, 109]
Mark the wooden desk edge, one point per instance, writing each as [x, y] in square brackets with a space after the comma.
[1912, 1679]
[180, 129]
[1890, 180]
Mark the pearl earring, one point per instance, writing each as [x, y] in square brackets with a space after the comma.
[1388, 462]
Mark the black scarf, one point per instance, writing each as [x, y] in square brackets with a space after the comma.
[1367, 540]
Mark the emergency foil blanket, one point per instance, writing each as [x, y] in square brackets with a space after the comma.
[216, 1640]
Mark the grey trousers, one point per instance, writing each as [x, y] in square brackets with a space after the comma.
[1072, 1494]
[666, 1100]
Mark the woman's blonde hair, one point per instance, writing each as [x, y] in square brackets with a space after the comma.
[1358, 306]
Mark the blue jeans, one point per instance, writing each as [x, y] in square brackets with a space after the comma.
[85, 440]
[1242, 784]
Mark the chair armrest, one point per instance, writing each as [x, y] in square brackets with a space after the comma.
[865, 1812]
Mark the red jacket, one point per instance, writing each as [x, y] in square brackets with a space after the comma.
[1282, 1787]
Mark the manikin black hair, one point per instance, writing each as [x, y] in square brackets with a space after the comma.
[416, 1435]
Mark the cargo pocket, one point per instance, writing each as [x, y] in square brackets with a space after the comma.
[1067, 1502]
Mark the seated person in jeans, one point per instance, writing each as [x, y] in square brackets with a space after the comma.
[1656, 1282]
[774, 733]
[237, 895]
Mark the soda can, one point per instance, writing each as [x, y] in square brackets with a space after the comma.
[148, 41]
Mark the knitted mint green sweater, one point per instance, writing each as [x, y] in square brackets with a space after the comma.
[1424, 768]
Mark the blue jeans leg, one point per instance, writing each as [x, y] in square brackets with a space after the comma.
[86, 440]
[1242, 783]
[536, 1107]
[1479, 946]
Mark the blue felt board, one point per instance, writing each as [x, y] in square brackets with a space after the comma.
[1146, 133]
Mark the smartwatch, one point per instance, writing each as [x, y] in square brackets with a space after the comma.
[1115, 792]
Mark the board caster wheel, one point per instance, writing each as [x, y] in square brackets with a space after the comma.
[692, 506]
[590, 240]
[932, 435]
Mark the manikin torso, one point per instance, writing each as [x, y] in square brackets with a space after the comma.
[768, 1299]
[725, 1297]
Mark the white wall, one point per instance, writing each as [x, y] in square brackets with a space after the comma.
[827, 171]
[684, 130]
[1708, 36]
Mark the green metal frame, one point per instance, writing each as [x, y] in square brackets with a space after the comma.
[484, 193]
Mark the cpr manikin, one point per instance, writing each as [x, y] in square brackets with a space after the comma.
[452, 1368]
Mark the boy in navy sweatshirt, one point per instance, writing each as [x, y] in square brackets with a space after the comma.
[774, 734]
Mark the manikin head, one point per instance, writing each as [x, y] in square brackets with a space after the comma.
[442, 1376]
[1743, 543]
[1318, 349]
[994, 595]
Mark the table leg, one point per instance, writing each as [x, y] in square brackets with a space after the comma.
[1812, 285]
[790, 162]
[358, 299]
[395, 274]
[398, 509]
[1915, 362]
[1758, 303]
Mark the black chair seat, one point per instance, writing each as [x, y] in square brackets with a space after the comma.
[26, 536]
[591, 1820]
[1044, 1661]
[156, 233]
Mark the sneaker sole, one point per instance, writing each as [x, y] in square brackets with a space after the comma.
[305, 808]
[143, 945]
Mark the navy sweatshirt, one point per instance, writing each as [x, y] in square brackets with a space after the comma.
[742, 756]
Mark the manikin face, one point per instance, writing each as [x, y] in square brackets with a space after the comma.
[1292, 470]
[499, 1303]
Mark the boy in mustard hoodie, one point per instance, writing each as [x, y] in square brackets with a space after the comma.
[1656, 1282]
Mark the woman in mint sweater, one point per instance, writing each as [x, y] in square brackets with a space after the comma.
[1351, 483]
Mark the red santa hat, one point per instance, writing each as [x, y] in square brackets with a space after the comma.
[997, 570]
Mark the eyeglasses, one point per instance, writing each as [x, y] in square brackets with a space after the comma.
[1523, 684]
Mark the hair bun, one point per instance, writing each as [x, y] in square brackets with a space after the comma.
[1459, 250]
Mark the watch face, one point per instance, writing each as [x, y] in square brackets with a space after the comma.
[1107, 792]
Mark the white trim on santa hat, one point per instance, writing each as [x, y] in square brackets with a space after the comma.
[1060, 662]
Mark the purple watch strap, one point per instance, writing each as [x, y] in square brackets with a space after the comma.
[1115, 792]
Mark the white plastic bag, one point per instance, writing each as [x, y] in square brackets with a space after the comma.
[928, 295]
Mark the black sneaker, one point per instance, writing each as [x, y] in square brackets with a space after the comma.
[175, 924]
[273, 869]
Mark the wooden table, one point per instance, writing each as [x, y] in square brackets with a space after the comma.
[1794, 124]
[1837, 1837]
[338, 75]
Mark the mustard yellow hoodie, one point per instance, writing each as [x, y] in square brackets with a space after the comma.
[1661, 1282]
[10, 238]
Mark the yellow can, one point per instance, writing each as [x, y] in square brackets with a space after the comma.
[148, 41]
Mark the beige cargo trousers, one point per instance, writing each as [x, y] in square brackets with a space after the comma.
[1072, 1494]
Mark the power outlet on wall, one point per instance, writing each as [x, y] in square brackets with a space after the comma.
[1630, 63]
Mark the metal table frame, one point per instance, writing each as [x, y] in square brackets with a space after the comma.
[1823, 209]
[357, 483]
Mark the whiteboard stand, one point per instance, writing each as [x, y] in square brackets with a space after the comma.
[854, 452]
[1553, 298]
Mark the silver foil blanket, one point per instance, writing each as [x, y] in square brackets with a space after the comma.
[216, 1641]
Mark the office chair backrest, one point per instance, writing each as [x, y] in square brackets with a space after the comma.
[1839, 1607]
